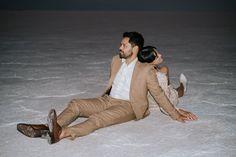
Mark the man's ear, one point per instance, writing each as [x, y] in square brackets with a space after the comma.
[135, 49]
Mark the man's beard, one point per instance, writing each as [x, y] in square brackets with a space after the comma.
[122, 55]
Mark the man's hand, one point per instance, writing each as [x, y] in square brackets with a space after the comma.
[186, 116]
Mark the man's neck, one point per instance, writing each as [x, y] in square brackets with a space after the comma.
[129, 60]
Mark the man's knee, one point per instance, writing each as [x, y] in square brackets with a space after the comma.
[74, 105]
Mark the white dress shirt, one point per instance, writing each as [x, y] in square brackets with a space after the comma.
[121, 84]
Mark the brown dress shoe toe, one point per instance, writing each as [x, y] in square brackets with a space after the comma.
[54, 128]
[33, 130]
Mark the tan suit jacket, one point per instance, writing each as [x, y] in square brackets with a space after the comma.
[144, 79]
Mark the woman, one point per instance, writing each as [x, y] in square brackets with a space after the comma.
[149, 54]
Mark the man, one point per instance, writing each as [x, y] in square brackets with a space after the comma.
[124, 99]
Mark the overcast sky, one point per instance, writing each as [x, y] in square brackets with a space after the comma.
[157, 5]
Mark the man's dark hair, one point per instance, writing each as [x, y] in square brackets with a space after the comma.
[135, 39]
[147, 54]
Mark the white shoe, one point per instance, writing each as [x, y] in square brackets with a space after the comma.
[183, 80]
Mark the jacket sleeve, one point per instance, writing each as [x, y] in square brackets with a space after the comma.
[159, 95]
[107, 90]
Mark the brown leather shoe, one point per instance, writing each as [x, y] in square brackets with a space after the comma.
[54, 128]
[33, 130]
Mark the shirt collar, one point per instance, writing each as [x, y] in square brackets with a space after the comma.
[133, 62]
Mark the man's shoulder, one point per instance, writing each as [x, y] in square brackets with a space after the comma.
[146, 66]
[116, 58]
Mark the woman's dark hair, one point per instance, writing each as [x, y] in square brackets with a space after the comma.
[147, 54]
[135, 39]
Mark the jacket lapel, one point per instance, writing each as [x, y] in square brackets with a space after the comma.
[134, 76]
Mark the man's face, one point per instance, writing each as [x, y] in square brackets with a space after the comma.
[126, 49]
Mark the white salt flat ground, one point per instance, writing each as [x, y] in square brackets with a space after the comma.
[49, 58]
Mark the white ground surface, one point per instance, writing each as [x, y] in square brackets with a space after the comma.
[48, 58]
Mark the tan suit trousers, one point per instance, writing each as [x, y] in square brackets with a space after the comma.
[100, 112]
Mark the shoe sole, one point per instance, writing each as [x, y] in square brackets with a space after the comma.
[50, 120]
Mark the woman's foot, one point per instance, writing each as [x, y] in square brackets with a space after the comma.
[183, 80]
[183, 85]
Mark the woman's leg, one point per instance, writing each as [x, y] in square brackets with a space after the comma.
[165, 70]
[180, 90]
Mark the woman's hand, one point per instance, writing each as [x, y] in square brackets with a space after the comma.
[186, 116]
